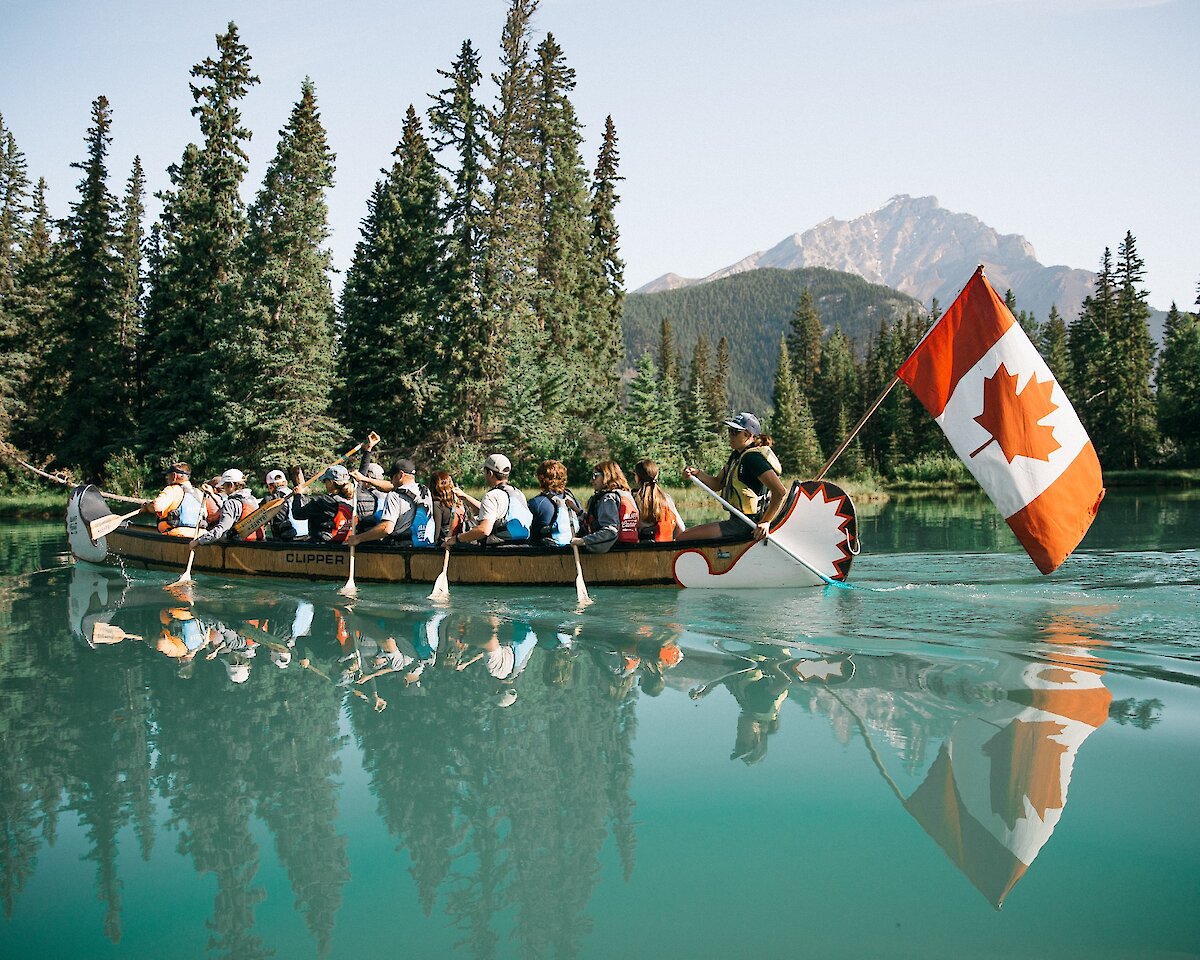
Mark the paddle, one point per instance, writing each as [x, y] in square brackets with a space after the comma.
[580, 587]
[829, 581]
[441, 586]
[267, 512]
[107, 633]
[350, 590]
[187, 571]
[106, 525]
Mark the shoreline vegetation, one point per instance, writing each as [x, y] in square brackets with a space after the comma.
[694, 504]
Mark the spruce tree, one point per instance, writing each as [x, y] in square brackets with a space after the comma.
[510, 285]
[1052, 343]
[835, 393]
[804, 342]
[194, 329]
[1179, 386]
[32, 309]
[1089, 343]
[608, 268]
[791, 425]
[1132, 435]
[458, 124]
[130, 249]
[650, 423]
[87, 346]
[286, 371]
[14, 207]
[718, 387]
[668, 359]
[393, 299]
[1026, 319]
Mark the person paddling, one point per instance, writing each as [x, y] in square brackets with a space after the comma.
[329, 513]
[612, 513]
[501, 510]
[238, 502]
[402, 502]
[751, 473]
[178, 507]
[283, 525]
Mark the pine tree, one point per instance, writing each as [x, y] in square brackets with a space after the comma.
[286, 374]
[1132, 436]
[668, 359]
[1089, 344]
[14, 206]
[804, 342]
[1179, 385]
[32, 308]
[458, 125]
[130, 256]
[608, 268]
[514, 215]
[194, 329]
[835, 393]
[87, 347]
[1052, 343]
[791, 426]
[393, 299]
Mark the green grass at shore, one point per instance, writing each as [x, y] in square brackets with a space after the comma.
[42, 506]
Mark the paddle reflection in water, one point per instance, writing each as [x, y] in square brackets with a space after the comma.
[504, 759]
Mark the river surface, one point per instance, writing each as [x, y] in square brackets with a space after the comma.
[958, 758]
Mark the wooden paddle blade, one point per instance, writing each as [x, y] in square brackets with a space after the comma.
[106, 525]
[441, 589]
[350, 590]
[259, 518]
[580, 587]
[107, 633]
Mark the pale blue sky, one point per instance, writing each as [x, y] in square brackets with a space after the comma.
[1067, 121]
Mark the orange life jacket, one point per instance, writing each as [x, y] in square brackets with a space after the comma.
[183, 514]
[247, 509]
[343, 521]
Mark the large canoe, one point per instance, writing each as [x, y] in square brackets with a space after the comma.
[818, 526]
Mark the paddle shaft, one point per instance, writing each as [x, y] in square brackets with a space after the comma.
[829, 581]
[350, 587]
[580, 585]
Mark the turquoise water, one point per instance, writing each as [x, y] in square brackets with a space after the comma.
[960, 758]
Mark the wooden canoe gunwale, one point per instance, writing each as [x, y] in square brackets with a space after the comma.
[643, 564]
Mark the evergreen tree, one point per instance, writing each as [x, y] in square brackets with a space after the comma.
[651, 423]
[609, 269]
[194, 329]
[1052, 344]
[804, 342]
[668, 359]
[791, 426]
[392, 301]
[1179, 385]
[14, 206]
[835, 391]
[718, 388]
[286, 372]
[700, 443]
[1089, 344]
[1026, 319]
[31, 309]
[510, 285]
[458, 125]
[1132, 434]
[130, 256]
[87, 346]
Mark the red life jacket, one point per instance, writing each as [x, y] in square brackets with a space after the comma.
[247, 509]
[343, 522]
[627, 510]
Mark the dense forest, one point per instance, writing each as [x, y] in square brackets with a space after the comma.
[484, 308]
[751, 310]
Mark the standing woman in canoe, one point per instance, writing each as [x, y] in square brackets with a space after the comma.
[750, 476]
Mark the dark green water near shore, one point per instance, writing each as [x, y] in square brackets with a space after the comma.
[960, 758]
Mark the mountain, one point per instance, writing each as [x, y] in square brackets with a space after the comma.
[913, 245]
[752, 309]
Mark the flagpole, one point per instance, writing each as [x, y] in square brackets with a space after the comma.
[857, 427]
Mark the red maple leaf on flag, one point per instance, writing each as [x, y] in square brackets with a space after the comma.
[1012, 418]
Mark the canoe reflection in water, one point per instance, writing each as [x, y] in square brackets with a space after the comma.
[500, 749]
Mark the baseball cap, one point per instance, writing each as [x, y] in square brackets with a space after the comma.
[233, 475]
[745, 421]
[403, 466]
[337, 473]
[275, 476]
[375, 471]
[498, 463]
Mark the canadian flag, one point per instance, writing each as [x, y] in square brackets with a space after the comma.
[1008, 419]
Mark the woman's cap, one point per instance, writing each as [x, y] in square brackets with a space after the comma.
[745, 421]
[337, 473]
[498, 463]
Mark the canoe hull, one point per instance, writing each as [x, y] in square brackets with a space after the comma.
[818, 523]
